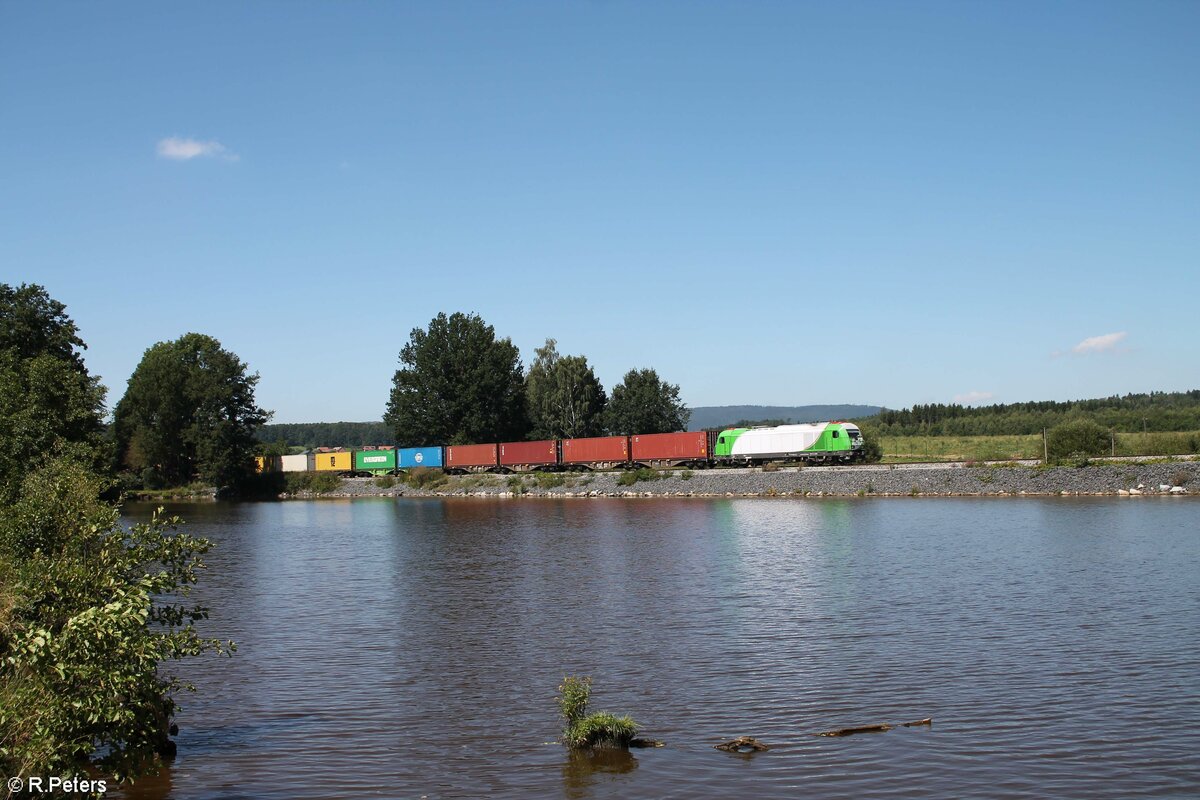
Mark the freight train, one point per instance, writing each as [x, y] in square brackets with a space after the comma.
[819, 443]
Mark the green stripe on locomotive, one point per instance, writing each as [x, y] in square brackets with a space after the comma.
[831, 437]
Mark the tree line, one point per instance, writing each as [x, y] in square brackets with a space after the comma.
[1154, 411]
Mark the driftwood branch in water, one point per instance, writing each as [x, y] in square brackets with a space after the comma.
[927, 721]
[859, 729]
[645, 743]
[736, 745]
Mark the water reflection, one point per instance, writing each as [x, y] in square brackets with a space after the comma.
[583, 769]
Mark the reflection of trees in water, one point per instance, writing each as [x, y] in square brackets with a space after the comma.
[583, 767]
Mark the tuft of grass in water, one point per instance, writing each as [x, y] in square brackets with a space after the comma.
[599, 729]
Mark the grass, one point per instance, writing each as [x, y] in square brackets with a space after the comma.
[516, 484]
[425, 478]
[633, 476]
[316, 482]
[583, 730]
[385, 481]
[907, 449]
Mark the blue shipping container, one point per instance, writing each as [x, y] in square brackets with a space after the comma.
[409, 457]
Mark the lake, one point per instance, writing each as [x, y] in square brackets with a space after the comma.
[411, 648]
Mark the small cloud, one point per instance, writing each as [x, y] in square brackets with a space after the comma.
[972, 398]
[1099, 344]
[178, 149]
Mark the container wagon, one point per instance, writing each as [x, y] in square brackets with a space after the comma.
[689, 449]
[599, 452]
[472, 457]
[414, 457]
[335, 462]
[375, 462]
[301, 462]
[528, 456]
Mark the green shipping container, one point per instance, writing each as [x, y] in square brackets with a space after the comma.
[377, 462]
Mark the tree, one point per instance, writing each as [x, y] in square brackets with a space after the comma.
[89, 611]
[644, 403]
[189, 413]
[460, 384]
[565, 398]
[48, 401]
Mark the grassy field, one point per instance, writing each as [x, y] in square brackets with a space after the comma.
[901, 449]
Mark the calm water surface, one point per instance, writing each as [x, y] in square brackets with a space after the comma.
[411, 648]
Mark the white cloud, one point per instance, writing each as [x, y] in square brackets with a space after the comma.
[1099, 344]
[178, 149]
[972, 397]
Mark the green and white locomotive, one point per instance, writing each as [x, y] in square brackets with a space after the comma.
[821, 443]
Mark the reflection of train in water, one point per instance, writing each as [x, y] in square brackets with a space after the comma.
[822, 443]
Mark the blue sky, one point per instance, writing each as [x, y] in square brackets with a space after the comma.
[776, 203]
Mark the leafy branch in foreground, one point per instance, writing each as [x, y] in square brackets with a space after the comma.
[89, 611]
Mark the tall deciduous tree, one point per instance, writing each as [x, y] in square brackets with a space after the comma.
[48, 401]
[189, 412]
[458, 384]
[565, 398]
[644, 403]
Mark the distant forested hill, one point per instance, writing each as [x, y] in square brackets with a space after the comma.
[326, 434]
[723, 416]
[1156, 411]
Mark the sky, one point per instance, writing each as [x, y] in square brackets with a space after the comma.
[777, 203]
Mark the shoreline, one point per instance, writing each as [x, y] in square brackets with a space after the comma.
[1123, 479]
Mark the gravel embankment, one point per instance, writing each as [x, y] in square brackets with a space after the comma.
[1121, 478]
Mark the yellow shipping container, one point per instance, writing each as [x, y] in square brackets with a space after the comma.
[337, 462]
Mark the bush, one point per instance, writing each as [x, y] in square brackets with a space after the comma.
[516, 485]
[92, 613]
[631, 477]
[548, 480]
[1077, 439]
[425, 478]
[315, 482]
[600, 729]
[686, 475]
[872, 450]
[385, 481]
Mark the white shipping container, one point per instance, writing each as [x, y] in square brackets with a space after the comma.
[298, 463]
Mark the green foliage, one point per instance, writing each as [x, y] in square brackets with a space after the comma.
[516, 484]
[189, 412]
[630, 477]
[564, 397]
[315, 482]
[459, 385]
[48, 401]
[310, 435]
[89, 615]
[548, 480]
[1077, 439]
[385, 481]
[685, 475]
[600, 729]
[425, 478]
[644, 403]
[872, 450]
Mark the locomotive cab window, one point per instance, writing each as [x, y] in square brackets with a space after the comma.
[835, 434]
[721, 440]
